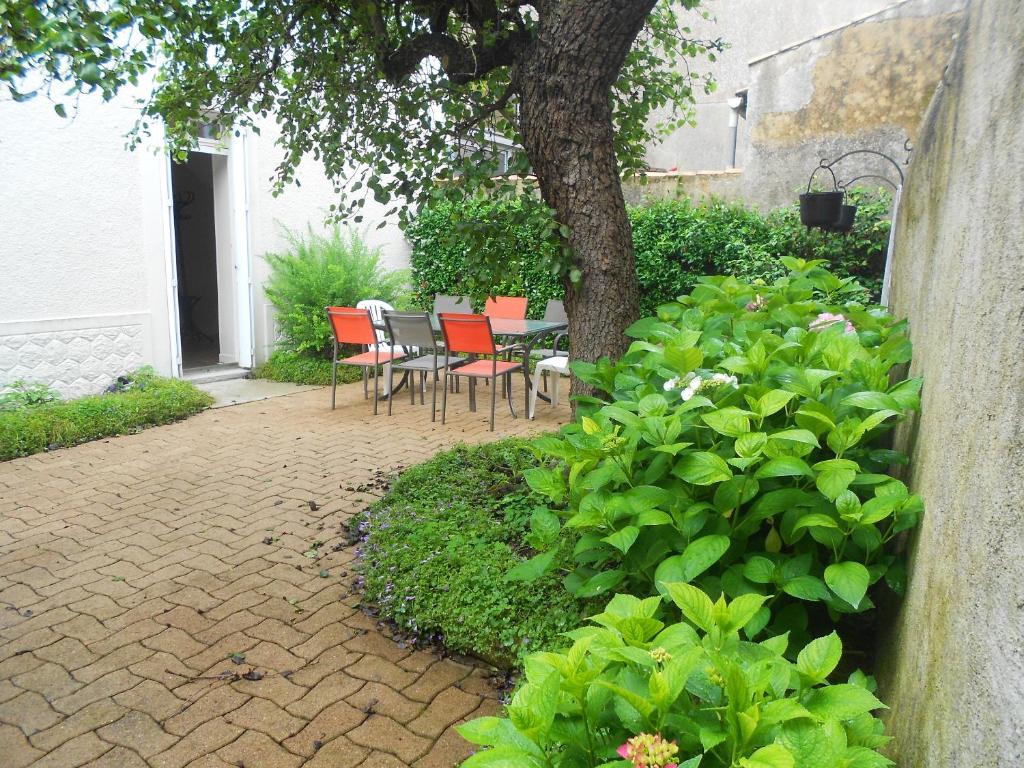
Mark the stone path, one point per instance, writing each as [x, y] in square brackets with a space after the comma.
[132, 569]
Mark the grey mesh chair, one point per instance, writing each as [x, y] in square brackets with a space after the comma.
[413, 331]
[452, 304]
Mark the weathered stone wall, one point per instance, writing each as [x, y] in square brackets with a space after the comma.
[865, 85]
[727, 185]
[953, 667]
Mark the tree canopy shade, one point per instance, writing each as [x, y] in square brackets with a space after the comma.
[402, 98]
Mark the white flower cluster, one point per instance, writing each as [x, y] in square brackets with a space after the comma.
[694, 383]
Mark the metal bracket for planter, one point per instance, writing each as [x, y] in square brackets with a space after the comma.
[827, 210]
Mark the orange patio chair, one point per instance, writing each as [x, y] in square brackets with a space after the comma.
[472, 335]
[506, 307]
[355, 326]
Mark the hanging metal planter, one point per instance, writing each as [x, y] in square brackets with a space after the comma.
[844, 223]
[821, 209]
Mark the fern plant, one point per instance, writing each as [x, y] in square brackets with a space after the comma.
[337, 268]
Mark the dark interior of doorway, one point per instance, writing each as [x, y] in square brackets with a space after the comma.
[195, 238]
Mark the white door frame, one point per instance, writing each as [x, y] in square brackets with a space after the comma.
[241, 255]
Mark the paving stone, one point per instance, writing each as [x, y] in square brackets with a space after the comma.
[205, 739]
[449, 706]
[139, 732]
[338, 753]
[379, 699]
[122, 658]
[152, 698]
[266, 717]
[437, 678]
[30, 712]
[259, 751]
[50, 680]
[333, 721]
[71, 754]
[385, 735]
[334, 687]
[88, 718]
[15, 748]
[180, 513]
[218, 700]
[118, 757]
[175, 642]
[105, 687]
[69, 653]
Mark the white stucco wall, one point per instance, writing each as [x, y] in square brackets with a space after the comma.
[79, 252]
[84, 244]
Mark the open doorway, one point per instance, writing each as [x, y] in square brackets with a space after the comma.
[202, 261]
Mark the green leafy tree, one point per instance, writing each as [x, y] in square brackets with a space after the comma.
[397, 96]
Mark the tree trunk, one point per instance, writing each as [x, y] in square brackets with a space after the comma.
[566, 125]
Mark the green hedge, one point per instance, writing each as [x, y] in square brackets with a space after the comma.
[676, 242]
[146, 400]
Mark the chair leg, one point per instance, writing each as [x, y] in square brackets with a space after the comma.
[472, 395]
[433, 398]
[375, 388]
[444, 397]
[511, 406]
[555, 378]
[533, 395]
[391, 375]
[334, 383]
[366, 379]
[494, 394]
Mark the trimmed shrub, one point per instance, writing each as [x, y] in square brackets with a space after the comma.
[298, 368]
[676, 242]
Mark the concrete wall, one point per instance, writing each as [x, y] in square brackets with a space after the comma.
[953, 667]
[751, 28]
[727, 185]
[865, 85]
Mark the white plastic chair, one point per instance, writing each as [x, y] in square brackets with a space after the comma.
[376, 308]
[558, 367]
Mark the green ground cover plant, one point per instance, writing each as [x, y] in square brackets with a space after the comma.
[437, 547]
[742, 445]
[140, 399]
[676, 242]
[633, 691]
[299, 368]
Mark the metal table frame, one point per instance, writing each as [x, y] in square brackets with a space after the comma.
[526, 333]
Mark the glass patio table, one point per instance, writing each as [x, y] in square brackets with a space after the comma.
[525, 333]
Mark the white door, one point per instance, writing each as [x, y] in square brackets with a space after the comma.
[242, 254]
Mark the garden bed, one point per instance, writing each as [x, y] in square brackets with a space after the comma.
[437, 548]
[142, 400]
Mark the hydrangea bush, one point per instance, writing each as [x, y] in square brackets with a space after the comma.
[741, 444]
[632, 692]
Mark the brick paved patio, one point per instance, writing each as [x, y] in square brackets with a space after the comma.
[132, 568]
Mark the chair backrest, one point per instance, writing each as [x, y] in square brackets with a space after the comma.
[410, 329]
[470, 334]
[554, 312]
[351, 325]
[506, 307]
[453, 304]
[376, 308]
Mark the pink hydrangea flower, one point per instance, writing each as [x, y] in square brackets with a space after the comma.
[827, 319]
[647, 750]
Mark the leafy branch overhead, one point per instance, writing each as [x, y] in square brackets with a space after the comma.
[388, 95]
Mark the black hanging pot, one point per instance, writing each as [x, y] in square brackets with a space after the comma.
[821, 209]
[847, 214]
